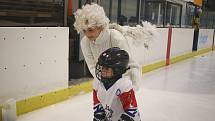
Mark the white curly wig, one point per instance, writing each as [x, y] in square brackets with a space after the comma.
[90, 15]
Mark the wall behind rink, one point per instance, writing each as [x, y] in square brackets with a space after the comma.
[33, 61]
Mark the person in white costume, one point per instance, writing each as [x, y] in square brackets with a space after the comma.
[114, 96]
[92, 21]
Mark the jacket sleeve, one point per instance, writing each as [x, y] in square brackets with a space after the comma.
[135, 69]
[129, 104]
[88, 56]
[99, 112]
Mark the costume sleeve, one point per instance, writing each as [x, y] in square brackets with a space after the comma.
[135, 69]
[88, 56]
[99, 112]
[129, 104]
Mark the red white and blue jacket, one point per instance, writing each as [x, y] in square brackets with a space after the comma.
[118, 103]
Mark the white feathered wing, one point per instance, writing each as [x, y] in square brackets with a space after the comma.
[138, 38]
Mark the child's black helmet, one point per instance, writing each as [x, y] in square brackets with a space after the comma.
[113, 58]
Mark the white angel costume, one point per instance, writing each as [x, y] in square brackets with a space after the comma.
[124, 37]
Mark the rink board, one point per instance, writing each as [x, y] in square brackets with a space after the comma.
[205, 38]
[155, 56]
[36, 102]
[182, 41]
[157, 48]
[34, 61]
[151, 67]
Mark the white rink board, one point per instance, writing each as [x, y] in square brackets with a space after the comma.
[182, 41]
[205, 39]
[34, 60]
[157, 48]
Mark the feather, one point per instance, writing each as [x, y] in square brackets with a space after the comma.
[140, 35]
[138, 38]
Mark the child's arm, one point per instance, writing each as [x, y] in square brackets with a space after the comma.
[99, 112]
[129, 104]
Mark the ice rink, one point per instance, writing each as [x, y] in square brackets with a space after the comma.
[184, 91]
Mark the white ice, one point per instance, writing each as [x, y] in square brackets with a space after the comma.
[184, 91]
